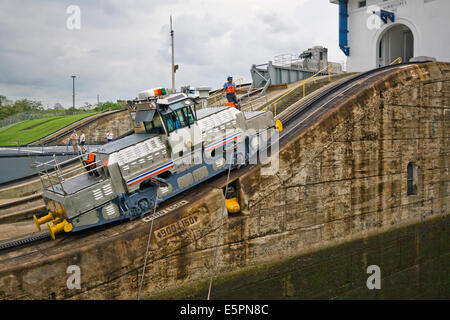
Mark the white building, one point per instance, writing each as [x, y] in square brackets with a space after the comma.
[374, 33]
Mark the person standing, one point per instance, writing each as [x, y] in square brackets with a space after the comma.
[230, 89]
[109, 136]
[83, 142]
[74, 139]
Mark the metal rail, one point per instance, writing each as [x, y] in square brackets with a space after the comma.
[288, 118]
[30, 198]
[302, 84]
[23, 241]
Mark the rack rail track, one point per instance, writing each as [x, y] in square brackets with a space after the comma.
[23, 241]
[321, 102]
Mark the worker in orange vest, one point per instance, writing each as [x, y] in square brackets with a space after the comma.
[230, 89]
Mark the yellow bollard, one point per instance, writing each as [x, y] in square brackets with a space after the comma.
[44, 219]
[303, 90]
[66, 226]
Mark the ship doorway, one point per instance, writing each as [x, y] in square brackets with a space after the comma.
[397, 41]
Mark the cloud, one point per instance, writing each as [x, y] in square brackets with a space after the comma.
[123, 47]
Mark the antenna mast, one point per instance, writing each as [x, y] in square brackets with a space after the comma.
[173, 64]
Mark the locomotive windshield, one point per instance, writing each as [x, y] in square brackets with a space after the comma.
[178, 118]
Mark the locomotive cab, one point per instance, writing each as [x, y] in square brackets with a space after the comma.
[155, 114]
[166, 119]
[172, 116]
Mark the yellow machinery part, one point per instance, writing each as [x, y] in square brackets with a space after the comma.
[232, 205]
[278, 126]
[54, 217]
[56, 221]
[44, 219]
[64, 225]
[60, 212]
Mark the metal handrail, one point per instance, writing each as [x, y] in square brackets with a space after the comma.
[56, 171]
[39, 164]
[248, 94]
[286, 59]
[302, 84]
[253, 101]
[48, 163]
[399, 60]
[57, 177]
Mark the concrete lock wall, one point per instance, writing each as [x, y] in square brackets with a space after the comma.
[119, 123]
[413, 262]
[338, 204]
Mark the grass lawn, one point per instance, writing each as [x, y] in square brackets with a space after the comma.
[30, 130]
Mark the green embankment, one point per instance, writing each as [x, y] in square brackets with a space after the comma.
[31, 130]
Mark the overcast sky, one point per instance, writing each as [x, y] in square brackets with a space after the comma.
[123, 47]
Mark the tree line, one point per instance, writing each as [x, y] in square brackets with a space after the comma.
[35, 109]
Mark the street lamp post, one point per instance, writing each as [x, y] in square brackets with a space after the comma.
[73, 85]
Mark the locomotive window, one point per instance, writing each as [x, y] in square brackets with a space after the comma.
[189, 116]
[154, 126]
[172, 121]
[181, 118]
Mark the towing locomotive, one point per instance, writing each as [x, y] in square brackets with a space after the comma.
[175, 146]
